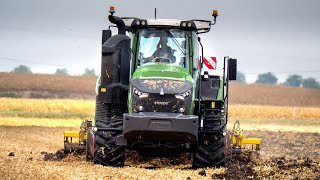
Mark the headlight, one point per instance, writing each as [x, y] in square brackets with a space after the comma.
[139, 93]
[183, 95]
[140, 108]
[181, 109]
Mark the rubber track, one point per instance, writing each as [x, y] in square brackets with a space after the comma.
[107, 152]
[210, 151]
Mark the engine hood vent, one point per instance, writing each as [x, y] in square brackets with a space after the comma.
[162, 86]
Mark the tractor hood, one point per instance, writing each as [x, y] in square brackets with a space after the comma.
[163, 72]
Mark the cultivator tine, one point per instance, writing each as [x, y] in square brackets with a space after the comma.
[241, 144]
[70, 144]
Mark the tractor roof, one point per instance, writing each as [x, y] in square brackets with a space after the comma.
[200, 26]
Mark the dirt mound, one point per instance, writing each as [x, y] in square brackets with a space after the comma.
[300, 168]
[244, 166]
[240, 166]
[180, 161]
[59, 155]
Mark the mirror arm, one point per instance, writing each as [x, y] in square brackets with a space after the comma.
[201, 61]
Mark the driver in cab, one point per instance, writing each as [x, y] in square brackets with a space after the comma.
[163, 53]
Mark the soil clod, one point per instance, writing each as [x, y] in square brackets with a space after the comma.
[202, 173]
[59, 155]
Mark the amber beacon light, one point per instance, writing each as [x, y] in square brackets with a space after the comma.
[111, 10]
[215, 13]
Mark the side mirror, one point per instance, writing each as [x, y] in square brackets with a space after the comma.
[106, 34]
[232, 69]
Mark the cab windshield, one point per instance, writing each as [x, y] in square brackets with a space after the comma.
[163, 46]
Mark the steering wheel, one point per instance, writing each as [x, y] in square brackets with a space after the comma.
[162, 60]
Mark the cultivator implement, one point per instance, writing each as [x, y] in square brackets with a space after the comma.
[76, 140]
[241, 144]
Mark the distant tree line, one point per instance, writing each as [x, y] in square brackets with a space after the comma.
[294, 80]
[22, 69]
[59, 71]
[62, 71]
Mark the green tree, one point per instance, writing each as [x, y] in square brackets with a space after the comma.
[267, 78]
[89, 72]
[241, 77]
[310, 83]
[22, 69]
[294, 80]
[62, 71]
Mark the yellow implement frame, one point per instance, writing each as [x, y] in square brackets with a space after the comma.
[239, 143]
[81, 136]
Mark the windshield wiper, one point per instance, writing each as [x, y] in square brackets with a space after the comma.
[174, 40]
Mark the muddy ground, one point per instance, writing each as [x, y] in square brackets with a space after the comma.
[33, 153]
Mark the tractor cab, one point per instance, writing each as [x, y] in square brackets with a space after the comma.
[164, 64]
[166, 41]
[163, 50]
[162, 45]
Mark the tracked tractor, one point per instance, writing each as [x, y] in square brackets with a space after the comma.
[153, 93]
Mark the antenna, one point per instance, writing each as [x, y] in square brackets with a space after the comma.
[155, 13]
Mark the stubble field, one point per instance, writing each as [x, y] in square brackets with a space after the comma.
[284, 155]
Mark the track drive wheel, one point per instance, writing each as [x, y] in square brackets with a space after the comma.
[211, 151]
[106, 151]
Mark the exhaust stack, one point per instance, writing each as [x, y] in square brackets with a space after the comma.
[119, 22]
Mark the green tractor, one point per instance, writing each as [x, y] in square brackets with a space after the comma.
[154, 94]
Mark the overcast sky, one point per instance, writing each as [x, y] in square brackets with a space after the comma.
[278, 36]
